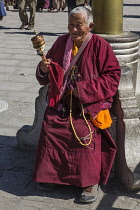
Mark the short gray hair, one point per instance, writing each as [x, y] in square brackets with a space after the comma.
[84, 11]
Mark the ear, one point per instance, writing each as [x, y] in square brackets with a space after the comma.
[91, 25]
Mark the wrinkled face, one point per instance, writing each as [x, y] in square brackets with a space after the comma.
[78, 27]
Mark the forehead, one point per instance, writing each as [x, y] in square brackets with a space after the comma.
[77, 17]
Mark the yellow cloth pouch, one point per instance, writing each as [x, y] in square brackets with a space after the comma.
[74, 49]
[102, 120]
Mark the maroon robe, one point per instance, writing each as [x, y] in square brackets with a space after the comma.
[60, 157]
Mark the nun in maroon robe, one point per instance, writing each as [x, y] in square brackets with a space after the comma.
[61, 158]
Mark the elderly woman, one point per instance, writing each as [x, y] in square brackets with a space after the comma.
[83, 74]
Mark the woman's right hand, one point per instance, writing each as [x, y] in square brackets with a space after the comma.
[44, 65]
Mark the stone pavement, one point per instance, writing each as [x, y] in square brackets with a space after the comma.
[18, 91]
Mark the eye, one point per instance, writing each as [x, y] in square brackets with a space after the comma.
[79, 25]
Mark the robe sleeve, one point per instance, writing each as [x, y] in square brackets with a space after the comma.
[42, 77]
[106, 84]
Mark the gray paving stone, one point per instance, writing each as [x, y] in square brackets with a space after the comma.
[23, 78]
[8, 131]
[11, 62]
[15, 86]
[7, 69]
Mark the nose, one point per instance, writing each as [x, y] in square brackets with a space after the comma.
[74, 28]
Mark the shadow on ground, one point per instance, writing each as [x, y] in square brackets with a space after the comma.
[132, 5]
[137, 32]
[131, 16]
[16, 167]
[29, 32]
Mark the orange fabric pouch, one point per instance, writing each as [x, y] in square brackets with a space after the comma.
[102, 120]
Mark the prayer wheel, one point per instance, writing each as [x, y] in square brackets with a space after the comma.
[108, 16]
[39, 44]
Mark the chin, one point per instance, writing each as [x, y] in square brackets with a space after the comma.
[77, 39]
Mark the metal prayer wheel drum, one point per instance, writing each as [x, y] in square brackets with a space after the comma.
[38, 41]
[108, 16]
[38, 44]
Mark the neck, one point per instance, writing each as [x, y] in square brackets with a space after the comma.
[79, 43]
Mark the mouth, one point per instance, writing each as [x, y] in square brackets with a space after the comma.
[74, 35]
